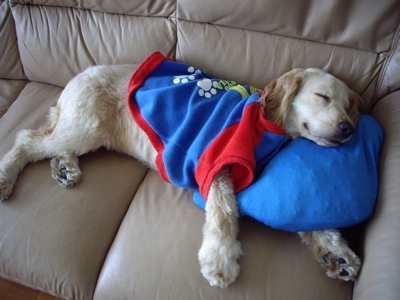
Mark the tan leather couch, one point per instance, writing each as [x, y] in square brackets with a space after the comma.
[122, 233]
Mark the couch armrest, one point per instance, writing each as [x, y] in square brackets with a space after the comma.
[381, 268]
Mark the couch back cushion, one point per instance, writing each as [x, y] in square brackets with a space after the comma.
[11, 67]
[248, 41]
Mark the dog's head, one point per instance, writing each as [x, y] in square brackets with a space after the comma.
[313, 104]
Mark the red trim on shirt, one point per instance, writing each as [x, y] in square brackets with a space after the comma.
[270, 126]
[235, 147]
[140, 75]
[226, 149]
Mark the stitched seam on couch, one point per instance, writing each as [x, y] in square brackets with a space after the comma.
[280, 36]
[382, 73]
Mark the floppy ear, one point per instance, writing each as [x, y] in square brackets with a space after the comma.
[353, 110]
[277, 97]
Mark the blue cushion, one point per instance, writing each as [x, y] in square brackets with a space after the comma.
[308, 187]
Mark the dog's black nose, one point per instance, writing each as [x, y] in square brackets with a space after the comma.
[346, 129]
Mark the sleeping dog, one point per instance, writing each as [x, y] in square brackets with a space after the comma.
[233, 131]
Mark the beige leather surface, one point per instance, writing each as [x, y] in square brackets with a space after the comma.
[155, 256]
[56, 239]
[329, 22]
[390, 79]
[122, 233]
[381, 245]
[164, 8]
[77, 40]
[129, 39]
[9, 91]
[11, 67]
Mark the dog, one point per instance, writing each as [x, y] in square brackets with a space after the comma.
[93, 112]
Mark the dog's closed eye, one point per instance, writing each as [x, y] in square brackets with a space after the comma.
[326, 98]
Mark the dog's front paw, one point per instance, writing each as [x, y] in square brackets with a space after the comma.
[218, 261]
[341, 265]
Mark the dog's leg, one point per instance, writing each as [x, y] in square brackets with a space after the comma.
[220, 249]
[332, 253]
[87, 117]
[28, 147]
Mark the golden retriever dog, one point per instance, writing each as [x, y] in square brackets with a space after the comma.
[92, 112]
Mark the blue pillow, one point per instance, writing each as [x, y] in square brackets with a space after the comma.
[308, 187]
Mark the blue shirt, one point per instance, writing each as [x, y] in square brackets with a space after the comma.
[199, 124]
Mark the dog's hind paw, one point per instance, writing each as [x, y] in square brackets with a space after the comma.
[218, 262]
[65, 172]
[333, 253]
[344, 266]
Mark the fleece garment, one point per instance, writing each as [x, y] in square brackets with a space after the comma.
[198, 124]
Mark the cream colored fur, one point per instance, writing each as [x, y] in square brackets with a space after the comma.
[92, 113]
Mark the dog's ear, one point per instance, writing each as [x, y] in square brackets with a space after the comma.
[277, 97]
[354, 104]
